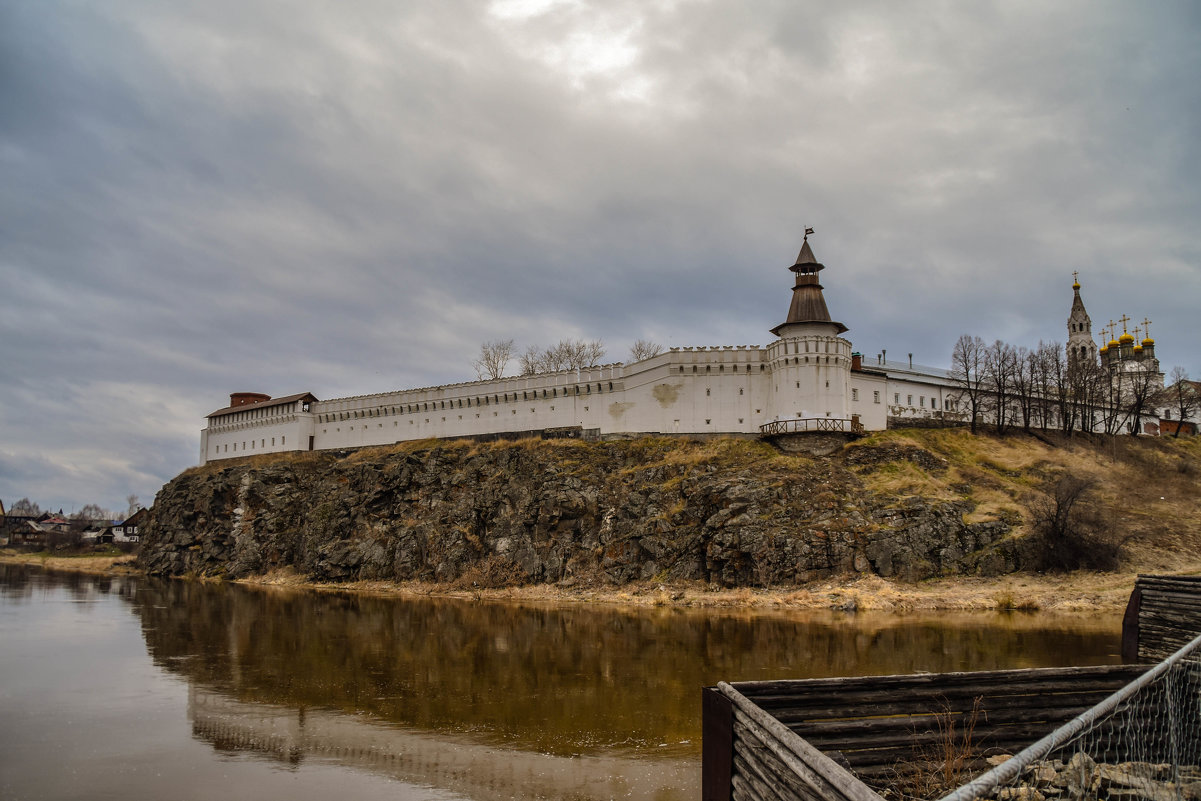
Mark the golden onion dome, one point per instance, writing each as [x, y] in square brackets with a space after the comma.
[1148, 342]
[1126, 338]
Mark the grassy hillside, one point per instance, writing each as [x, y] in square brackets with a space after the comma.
[1147, 491]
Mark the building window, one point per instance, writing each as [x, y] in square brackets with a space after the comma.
[922, 401]
[875, 396]
[707, 392]
[854, 394]
[908, 400]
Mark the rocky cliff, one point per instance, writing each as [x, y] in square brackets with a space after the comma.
[729, 512]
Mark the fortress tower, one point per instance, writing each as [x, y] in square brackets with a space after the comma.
[1081, 346]
[810, 363]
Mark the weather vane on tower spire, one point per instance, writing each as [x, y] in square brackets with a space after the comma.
[808, 231]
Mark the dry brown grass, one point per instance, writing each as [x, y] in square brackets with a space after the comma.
[79, 564]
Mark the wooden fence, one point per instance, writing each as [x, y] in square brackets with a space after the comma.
[823, 738]
[1163, 614]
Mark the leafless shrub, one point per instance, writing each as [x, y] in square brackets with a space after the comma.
[490, 364]
[946, 763]
[1070, 532]
[644, 349]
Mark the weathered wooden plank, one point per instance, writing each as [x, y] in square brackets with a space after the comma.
[717, 745]
[827, 777]
[808, 781]
[1130, 625]
[1001, 682]
[897, 713]
[751, 689]
[763, 767]
[861, 703]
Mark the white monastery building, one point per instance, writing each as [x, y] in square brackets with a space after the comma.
[807, 379]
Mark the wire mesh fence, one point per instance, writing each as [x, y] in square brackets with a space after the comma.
[1143, 742]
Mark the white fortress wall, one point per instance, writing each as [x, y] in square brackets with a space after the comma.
[869, 399]
[262, 428]
[806, 372]
[705, 390]
[810, 374]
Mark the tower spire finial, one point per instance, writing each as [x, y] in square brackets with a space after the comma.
[808, 231]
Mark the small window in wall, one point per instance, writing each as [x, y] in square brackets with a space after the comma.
[273, 442]
[740, 390]
[707, 392]
[694, 368]
[740, 421]
[922, 401]
[707, 421]
[875, 396]
[908, 400]
[896, 399]
[854, 394]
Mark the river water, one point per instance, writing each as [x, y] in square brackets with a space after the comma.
[134, 689]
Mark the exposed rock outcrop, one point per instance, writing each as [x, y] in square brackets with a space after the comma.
[730, 512]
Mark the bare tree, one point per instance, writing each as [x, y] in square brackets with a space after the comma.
[1069, 530]
[967, 370]
[531, 360]
[1183, 395]
[999, 359]
[493, 359]
[92, 511]
[644, 349]
[1142, 393]
[25, 508]
[566, 354]
[1044, 381]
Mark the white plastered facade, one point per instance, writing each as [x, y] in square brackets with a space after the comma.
[806, 373]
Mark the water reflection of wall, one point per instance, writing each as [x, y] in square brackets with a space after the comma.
[449, 763]
[563, 680]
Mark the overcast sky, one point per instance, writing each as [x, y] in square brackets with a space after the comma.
[349, 197]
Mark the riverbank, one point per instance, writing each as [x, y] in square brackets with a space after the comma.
[1080, 592]
[1073, 593]
[107, 564]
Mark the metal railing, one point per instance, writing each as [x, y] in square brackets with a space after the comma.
[803, 424]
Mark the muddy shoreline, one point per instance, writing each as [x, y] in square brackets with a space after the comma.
[1080, 592]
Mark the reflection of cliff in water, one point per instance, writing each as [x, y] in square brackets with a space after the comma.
[451, 763]
[566, 680]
